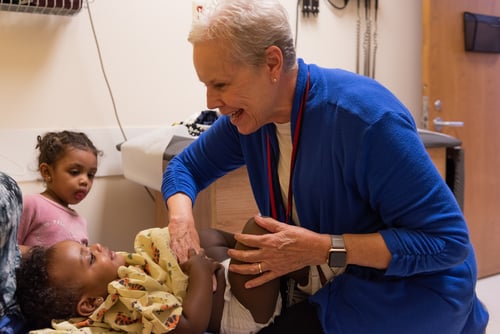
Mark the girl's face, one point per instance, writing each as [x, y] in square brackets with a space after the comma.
[89, 267]
[244, 93]
[70, 179]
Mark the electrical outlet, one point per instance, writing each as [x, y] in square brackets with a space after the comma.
[197, 8]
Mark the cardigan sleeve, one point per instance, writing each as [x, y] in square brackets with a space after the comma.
[214, 153]
[425, 228]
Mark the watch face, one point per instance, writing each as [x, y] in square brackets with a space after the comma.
[337, 258]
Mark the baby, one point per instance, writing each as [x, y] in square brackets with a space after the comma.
[146, 291]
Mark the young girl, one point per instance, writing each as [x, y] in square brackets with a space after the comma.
[67, 163]
[149, 291]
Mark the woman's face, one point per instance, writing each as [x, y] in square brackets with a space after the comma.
[91, 267]
[244, 93]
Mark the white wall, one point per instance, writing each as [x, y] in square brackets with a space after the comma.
[50, 78]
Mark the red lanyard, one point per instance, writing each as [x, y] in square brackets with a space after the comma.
[295, 147]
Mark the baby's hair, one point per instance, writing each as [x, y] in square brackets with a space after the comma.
[41, 299]
[53, 145]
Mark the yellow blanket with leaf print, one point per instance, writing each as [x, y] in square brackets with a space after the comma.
[147, 296]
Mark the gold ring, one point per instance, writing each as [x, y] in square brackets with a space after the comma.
[260, 269]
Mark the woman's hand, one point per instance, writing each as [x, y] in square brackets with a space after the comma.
[287, 248]
[183, 237]
[183, 234]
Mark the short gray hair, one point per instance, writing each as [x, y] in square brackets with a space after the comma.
[247, 28]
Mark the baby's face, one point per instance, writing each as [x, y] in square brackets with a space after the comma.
[90, 267]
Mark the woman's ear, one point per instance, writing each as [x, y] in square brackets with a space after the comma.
[274, 62]
[87, 305]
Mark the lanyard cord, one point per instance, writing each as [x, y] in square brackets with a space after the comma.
[296, 138]
[274, 211]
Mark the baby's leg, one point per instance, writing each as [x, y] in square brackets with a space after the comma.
[216, 243]
[260, 301]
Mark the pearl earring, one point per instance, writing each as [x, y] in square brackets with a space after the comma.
[275, 80]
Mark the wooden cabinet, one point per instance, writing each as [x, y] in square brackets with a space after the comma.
[226, 204]
[438, 156]
[234, 201]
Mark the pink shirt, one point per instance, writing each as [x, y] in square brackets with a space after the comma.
[45, 222]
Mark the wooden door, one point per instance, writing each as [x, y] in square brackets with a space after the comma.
[465, 87]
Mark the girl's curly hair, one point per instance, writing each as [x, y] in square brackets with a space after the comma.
[53, 145]
[42, 299]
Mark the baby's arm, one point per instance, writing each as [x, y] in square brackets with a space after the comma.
[197, 305]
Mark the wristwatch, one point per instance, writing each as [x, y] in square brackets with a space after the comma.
[337, 253]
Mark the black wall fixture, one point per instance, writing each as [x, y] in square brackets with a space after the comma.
[481, 33]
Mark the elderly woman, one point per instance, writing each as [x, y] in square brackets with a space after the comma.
[340, 177]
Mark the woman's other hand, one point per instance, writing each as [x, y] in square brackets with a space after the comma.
[287, 248]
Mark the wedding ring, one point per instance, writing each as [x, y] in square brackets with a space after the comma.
[260, 269]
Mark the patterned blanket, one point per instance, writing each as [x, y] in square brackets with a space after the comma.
[146, 298]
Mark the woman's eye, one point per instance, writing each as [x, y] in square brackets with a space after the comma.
[220, 86]
[92, 258]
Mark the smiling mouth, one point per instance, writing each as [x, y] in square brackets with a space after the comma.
[236, 114]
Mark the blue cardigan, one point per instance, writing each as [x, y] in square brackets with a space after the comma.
[361, 168]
